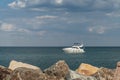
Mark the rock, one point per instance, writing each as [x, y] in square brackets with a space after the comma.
[117, 72]
[22, 73]
[104, 74]
[87, 69]
[5, 73]
[72, 75]
[59, 70]
[15, 64]
[76, 76]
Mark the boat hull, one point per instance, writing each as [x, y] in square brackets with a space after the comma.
[71, 50]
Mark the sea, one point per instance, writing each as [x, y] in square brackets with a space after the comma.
[44, 57]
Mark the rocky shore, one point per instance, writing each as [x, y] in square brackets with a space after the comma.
[58, 71]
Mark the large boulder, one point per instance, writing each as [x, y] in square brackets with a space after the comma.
[76, 76]
[117, 72]
[104, 74]
[59, 70]
[15, 64]
[5, 73]
[87, 69]
[22, 73]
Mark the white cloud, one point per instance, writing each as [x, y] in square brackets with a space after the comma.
[86, 4]
[30, 32]
[101, 4]
[101, 29]
[46, 17]
[23, 30]
[58, 1]
[97, 29]
[41, 33]
[38, 9]
[7, 27]
[114, 14]
[116, 3]
[33, 2]
[24, 3]
[11, 27]
[18, 4]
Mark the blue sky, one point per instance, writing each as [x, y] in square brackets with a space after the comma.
[59, 22]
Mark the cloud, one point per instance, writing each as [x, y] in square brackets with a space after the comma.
[18, 4]
[79, 5]
[102, 4]
[38, 9]
[31, 32]
[97, 29]
[11, 28]
[46, 17]
[7, 27]
[116, 3]
[40, 33]
[113, 14]
[102, 29]
[58, 1]
[23, 30]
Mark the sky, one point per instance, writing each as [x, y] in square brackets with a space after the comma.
[59, 22]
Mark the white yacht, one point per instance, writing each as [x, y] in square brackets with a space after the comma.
[76, 48]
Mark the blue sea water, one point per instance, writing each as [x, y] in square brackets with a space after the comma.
[44, 57]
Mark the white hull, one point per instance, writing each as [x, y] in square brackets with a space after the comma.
[73, 50]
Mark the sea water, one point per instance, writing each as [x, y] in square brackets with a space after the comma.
[44, 57]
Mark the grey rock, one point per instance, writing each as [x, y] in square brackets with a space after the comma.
[59, 70]
[22, 73]
[5, 73]
[104, 74]
[117, 72]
